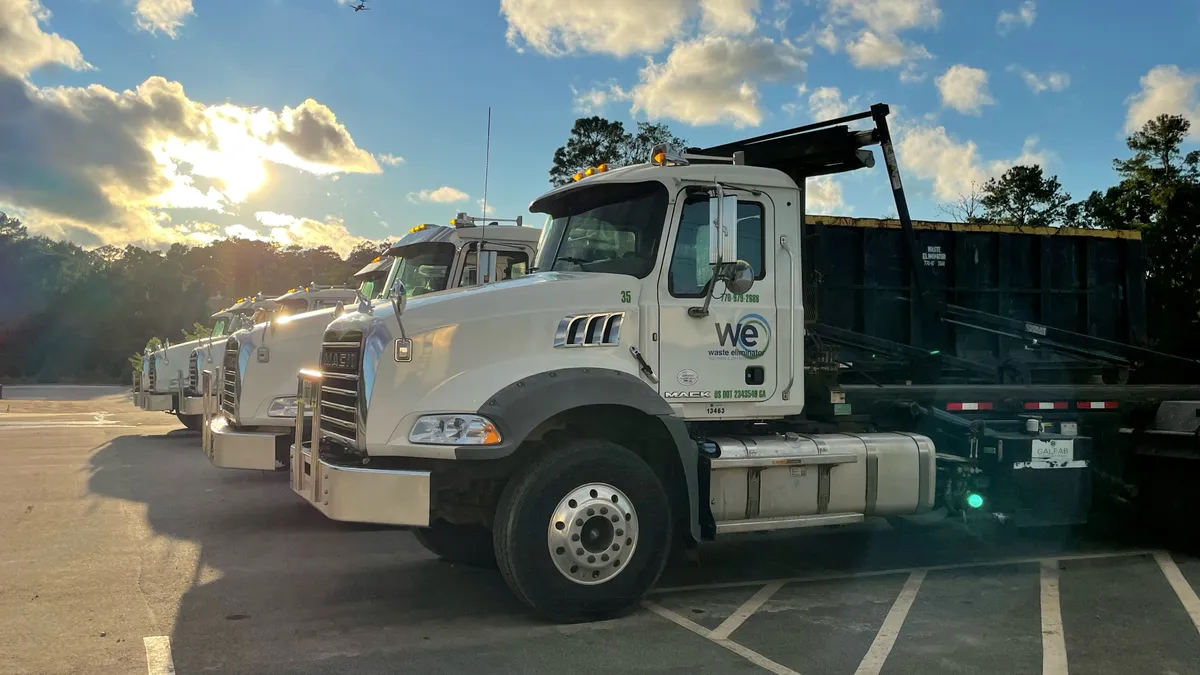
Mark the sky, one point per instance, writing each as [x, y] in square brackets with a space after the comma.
[154, 122]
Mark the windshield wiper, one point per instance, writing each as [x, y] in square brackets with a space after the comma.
[576, 261]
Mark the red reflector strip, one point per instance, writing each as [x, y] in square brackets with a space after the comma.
[969, 406]
[1097, 405]
[1046, 405]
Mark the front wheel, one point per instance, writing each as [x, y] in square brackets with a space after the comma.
[192, 422]
[462, 544]
[583, 532]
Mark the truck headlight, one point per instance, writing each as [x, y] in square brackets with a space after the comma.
[454, 430]
[285, 406]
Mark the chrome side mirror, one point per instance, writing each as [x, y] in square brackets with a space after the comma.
[738, 277]
[399, 296]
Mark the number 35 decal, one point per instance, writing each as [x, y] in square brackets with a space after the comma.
[626, 297]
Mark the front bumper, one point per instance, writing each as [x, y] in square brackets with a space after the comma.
[229, 448]
[358, 495]
[353, 493]
[194, 405]
[156, 402]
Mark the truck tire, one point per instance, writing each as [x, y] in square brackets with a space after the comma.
[583, 532]
[192, 422]
[461, 544]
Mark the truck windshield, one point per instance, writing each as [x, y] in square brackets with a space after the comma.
[218, 328]
[606, 228]
[424, 268]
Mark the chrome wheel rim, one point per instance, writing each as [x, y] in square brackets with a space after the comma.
[592, 534]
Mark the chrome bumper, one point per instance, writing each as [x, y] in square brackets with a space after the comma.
[228, 448]
[353, 494]
[157, 402]
[194, 405]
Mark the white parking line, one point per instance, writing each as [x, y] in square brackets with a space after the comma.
[158, 655]
[1191, 603]
[751, 606]
[741, 650]
[1054, 646]
[838, 576]
[885, 639]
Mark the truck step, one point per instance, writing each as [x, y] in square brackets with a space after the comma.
[787, 522]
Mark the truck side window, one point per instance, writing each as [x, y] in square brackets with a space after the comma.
[690, 270]
[510, 264]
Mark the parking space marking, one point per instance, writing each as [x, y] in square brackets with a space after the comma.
[1187, 595]
[744, 612]
[1054, 646]
[840, 576]
[158, 655]
[741, 650]
[872, 663]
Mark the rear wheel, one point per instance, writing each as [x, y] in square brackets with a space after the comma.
[192, 422]
[463, 544]
[584, 531]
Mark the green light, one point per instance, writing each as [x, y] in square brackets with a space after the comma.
[974, 500]
[935, 352]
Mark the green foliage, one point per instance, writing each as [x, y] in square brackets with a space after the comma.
[72, 314]
[197, 332]
[595, 141]
[1024, 196]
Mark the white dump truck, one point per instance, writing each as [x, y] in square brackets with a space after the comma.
[660, 380]
[255, 422]
[160, 386]
[312, 297]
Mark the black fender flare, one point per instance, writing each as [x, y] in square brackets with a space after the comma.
[520, 407]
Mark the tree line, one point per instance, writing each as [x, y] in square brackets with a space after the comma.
[73, 315]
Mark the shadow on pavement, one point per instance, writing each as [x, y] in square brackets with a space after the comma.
[277, 587]
[277, 582]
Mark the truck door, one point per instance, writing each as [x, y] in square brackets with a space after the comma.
[713, 364]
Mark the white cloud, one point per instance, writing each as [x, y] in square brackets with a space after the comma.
[1024, 16]
[621, 27]
[735, 17]
[287, 230]
[823, 195]
[166, 16]
[875, 26]
[828, 39]
[25, 47]
[930, 153]
[875, 50]
[594, 100]
[1052, 81]
[964, 89]
[390, 159]
[1166, 90]
[825, 103]
[712, 79]
[616, 27]
[887, 16]
[442, 195]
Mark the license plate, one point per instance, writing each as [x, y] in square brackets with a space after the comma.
[1056, 453]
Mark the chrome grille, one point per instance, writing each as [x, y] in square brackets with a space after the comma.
[229, 393]
[341, 363]
[193, 385]
[152, 378]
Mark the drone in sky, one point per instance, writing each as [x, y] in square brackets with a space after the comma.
[362, 5]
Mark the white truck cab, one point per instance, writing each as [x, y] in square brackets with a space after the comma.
[209, 353]
[254, 426]
[165, 371]
[645, 383]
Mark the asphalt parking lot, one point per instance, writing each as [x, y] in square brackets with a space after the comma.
[123, 551]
